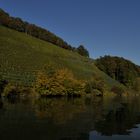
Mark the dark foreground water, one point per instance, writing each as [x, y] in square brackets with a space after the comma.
[111, 118]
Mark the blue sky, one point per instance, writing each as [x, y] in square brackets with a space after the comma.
[104, 27]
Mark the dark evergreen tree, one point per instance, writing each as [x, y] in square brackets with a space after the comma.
[82, 51]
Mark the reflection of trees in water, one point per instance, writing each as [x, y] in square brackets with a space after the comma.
[1, 104]
[63, 109]
[13, 100]
[73, 118]
[82, 136]
[119, 120]
[59, 110]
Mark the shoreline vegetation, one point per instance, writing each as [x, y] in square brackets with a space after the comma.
[62, 83]
[17, 91]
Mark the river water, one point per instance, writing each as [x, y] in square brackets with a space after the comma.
[107, 118]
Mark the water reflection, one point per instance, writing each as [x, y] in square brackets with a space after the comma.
[58, 110]
[121, 119]
[70, 119]
[1, 104]
[94, 135]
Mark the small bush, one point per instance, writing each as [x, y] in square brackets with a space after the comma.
[88, 87]
[13, 90]
[3, 83]
[10, 90]
[95, 84]
[96, 92]
[136, 85]
[119, 90]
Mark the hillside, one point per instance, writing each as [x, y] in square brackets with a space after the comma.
[21, 56]
[18, 24]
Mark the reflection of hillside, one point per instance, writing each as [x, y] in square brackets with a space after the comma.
[119, 120]
[1, 104]
[68, 119]
[73, 118]
[77, 117]
[59, 110]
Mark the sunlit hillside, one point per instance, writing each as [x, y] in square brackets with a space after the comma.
[21, 56]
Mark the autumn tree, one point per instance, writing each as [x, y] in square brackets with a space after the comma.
[4, 18]
[60, 83]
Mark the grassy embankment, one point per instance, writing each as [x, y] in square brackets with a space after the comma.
[21, 56]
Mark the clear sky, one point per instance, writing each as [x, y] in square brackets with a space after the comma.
[104, 27]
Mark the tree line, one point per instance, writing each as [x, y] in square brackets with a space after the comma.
[31, 29]
[119, 69]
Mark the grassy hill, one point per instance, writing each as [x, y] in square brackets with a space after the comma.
[22, 55]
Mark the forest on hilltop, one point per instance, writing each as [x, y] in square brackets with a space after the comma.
[119, 69]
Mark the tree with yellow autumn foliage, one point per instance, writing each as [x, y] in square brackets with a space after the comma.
[61, 83]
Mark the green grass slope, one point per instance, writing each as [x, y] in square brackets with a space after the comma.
[22, 55]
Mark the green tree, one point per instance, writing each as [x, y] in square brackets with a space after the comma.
[136, 85]
[119, 69]
[82, 51]
[95, 84]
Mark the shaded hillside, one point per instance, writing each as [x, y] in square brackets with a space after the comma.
[119, 69]
[21, 56]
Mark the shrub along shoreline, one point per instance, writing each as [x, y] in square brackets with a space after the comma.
[59, 83]
[52, 82]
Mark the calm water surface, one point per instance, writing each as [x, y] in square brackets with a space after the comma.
[109, 118]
